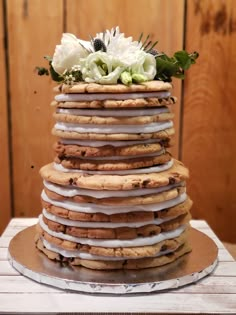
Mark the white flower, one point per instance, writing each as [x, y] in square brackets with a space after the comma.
[145, 64]
[109, 35]
[123, 55]
[119, 46]
[127, 54]
[69, 53]
[101, 68]
[69, 79]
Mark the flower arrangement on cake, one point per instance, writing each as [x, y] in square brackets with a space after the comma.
[111, 58]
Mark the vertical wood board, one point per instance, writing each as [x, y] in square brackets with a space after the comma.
[5, 201]
[34, 28]
[209, 121]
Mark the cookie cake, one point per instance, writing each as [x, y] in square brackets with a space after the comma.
[114, 197]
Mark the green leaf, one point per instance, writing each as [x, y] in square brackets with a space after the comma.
[179, 75]
[183, 59]
[194, 56]
[140, 37]
[48, 58]
[165, 68]
[55, 76]
[145, 42]
[168, 67]
[42, 71]
[152, 46]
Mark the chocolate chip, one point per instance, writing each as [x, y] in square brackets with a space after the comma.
[171, 180]
[146, 182]
[163, 248]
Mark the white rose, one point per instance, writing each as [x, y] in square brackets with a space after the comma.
[69, 53]
[145, 64]
[101, 68]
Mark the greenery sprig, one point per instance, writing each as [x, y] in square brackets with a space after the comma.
[147, 45]
[44, 71]
[168, 67]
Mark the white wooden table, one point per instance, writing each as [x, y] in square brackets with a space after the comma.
[215, 294]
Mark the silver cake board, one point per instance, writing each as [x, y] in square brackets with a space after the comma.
[191, 267]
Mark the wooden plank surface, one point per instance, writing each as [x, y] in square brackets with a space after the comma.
[156, 17]
[80, 304]
[5, 199]
[34, 28]
[213, 294]
[209, 120]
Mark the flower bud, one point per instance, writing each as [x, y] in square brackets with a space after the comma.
[126, 78]
[138, 78]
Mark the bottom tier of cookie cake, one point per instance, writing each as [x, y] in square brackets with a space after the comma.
[114, 229]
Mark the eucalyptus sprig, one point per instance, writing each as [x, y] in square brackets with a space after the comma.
[168, 67]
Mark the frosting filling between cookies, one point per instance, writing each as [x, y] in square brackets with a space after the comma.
[94, 208]
[109, 96]
[93, 224]
[97, 143]
[114, 243]
[72, 191]
[133, 129]
[83, 255]
[113, 112]
[146, 170]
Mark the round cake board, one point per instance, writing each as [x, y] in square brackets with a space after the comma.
[191, 267]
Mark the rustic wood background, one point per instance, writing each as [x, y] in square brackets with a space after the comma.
[205, 116]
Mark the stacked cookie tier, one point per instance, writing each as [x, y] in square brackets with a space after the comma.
[114, 197]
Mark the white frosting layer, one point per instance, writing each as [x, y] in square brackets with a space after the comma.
[133, 129]
[113, 112]
[97, 144]
[140, 241]
[109, 96]
[153, 169]
[71, 191]
[79, 254]
[94, 208]
[111, 225]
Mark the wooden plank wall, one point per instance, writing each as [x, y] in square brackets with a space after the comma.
[209, 121]
[5, 200]
[34, 27]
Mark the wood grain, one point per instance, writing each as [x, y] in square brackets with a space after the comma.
[5, 199]
[209, 121]
[156, 17]
[208, 129]
[34, 28]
